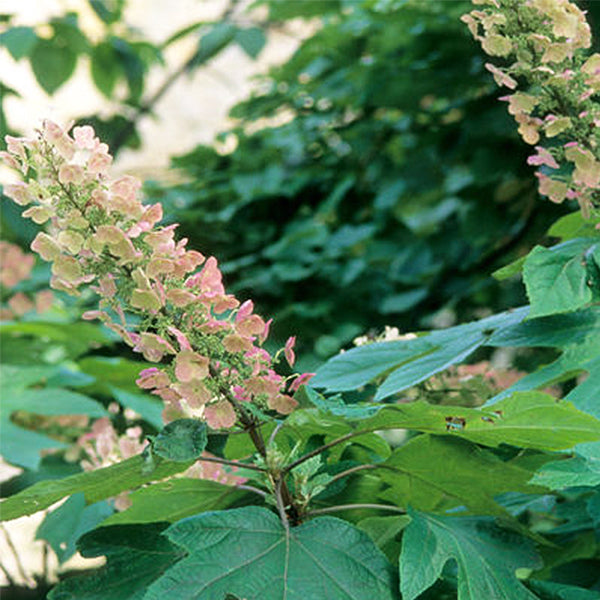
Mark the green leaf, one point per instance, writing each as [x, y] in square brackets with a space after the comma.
[112, 373]
[73, 338]
[212, 42]
[384, 531]
[486, 556]
[21, 446]
[463, 475]
[550, 590]
[19, 41]
[572, 226]
[64, 526]
[562, 474]
[147, 406]
[173, 500]
[409, 361]
[248, 553]
[556, 278]
[136, 556]
[251, 39]
[105, 67]
[526, 419]
[509, 270]
[52, 64]
[181, 440]
[109, 11]
[96, 485]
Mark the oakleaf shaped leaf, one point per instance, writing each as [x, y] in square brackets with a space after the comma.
[486, 555]
[136, 556]
[96, 485]
[175, 499]
[463, 475]
[556, 278]
[248, 553]
[526, 419]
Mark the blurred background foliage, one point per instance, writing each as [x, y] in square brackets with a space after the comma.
[372, 179]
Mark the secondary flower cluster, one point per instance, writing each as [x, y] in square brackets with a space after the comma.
[213, 365]
[15, 267]
[544, 43]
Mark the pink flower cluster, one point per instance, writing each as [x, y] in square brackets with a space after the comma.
[15, 266]
[209, 346]
[545, 40]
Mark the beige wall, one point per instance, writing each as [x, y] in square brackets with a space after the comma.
[193, 110]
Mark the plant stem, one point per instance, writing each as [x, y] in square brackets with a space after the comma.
[251, 488]
[322, 448]
[280, 504]
[19, 564]
[350, 472]
[330, 509]
[233, 463]
[8, 576]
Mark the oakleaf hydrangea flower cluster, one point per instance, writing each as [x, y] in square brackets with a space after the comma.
[544, 43]
[208, 346]
[15, 267]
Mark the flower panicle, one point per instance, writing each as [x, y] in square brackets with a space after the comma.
[100, 234]
[545, 44]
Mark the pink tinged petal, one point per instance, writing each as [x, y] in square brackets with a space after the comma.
[220, 415]
[183, 342]
[236, 343]
[289, 351]
[19, 192]
[71, 241]
[244, 311]
[43, 301]
[71, 174]
[264, 334]
[9, 160]
[240, 394]
[191, 366]
[194, 392]
[159, 266]
[67, 268]
[20, 304]
[16, 146]
[145, 300]
[301, 380]
[282, 403]
[107, 286]
[99, 163]
[554, 189]
[543, 157]
[556, 126]
[91, 315]
[501, 77]
[152, 378]
[153, 347]
[120, 245]
[46, 247]
[223, 303]
[52, 131]
[85, 137]
[179, 297]
[126, 187]
[253, 325]
[587, 168]
[38, 214]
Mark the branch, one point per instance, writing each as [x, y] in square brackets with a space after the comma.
[233, 463]
[320, 449]
[330, 509]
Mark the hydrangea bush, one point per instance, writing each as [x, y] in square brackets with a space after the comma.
[441, 487]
